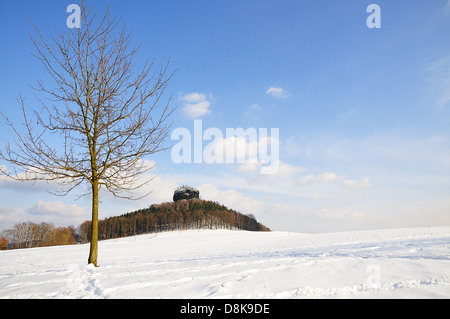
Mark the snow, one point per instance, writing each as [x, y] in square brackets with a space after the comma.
[395, 263]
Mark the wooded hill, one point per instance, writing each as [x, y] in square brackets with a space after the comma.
[180, 215]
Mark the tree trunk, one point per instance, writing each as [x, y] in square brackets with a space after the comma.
[94, 227]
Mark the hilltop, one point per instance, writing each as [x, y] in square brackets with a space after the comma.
[171, 216]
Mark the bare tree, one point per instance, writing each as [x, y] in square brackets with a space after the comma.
[99, 118]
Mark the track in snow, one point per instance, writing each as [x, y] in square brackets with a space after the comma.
[398, 263]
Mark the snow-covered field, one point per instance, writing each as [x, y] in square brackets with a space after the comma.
[398, 263]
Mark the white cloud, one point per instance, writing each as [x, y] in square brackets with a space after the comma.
[249, 166]
[57, 213]
[196, 105]
[277, 92]
[357, 184]
[241, 149]
[329, 178]
[232, 199]
[9, 216]
[161, 190]
[194, 97]
[32, 187]
[285, 170]
[58, 209]
[322, 178]
[244, 147]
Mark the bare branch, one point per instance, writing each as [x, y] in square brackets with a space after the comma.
[99, 118]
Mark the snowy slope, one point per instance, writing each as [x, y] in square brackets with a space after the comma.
[399, 263]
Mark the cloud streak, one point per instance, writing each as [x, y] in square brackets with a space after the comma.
[278, 93]
[196, 105]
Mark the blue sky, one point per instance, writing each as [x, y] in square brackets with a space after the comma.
[363, 114]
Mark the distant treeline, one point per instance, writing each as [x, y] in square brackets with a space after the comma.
[27, 235]
[180, 215]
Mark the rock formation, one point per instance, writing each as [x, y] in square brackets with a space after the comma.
[185, 192]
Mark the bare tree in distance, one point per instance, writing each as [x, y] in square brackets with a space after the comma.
[99, 118]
